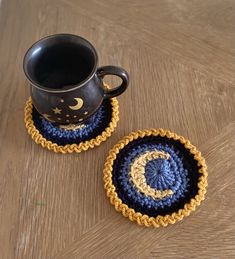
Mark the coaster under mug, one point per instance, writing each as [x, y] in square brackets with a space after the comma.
[72, 138]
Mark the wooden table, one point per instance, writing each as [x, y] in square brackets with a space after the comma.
[181, 59]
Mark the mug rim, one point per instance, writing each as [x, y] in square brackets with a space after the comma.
[70, 87]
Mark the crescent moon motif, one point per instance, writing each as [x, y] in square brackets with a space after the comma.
[78, 105]
[137, 174]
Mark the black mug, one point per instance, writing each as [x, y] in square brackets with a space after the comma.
[66, 84]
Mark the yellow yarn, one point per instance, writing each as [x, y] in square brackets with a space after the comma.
[140, 218]
[70, 148]
[137, 174]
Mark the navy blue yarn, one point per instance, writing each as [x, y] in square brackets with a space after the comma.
[94, 126]
[177, 173]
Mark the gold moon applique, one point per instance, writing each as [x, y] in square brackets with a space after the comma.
[137, 174]
[78, 105]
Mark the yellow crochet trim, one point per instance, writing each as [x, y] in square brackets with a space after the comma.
[143, 219]
[70, 148]
[137, 174]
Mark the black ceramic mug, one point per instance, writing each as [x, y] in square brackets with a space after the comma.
[66, 85]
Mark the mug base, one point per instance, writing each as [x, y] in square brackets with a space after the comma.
[72, 126]
[73, 137]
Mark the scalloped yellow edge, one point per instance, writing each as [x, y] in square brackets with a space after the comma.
[69, 148]
[138, 217]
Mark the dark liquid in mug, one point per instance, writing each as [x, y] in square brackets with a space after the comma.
[63, 65]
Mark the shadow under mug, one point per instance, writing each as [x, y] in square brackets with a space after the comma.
[66, 85]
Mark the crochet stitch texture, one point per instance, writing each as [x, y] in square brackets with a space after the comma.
[155, 177]
[92, 133]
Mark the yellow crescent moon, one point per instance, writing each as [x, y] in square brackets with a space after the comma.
[78, 105]
[137, 174]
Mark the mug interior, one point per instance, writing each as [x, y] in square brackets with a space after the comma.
[60, 61]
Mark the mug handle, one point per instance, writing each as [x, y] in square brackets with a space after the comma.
[117, 71]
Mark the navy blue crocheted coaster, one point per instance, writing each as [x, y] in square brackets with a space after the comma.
[155, 175]
[91, 128]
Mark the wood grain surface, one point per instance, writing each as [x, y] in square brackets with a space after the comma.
[181, 59]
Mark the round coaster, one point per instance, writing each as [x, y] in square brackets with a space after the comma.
[155, 177]
[72, 138]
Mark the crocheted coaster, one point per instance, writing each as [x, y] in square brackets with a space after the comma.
[68, 139]
[155, 177]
